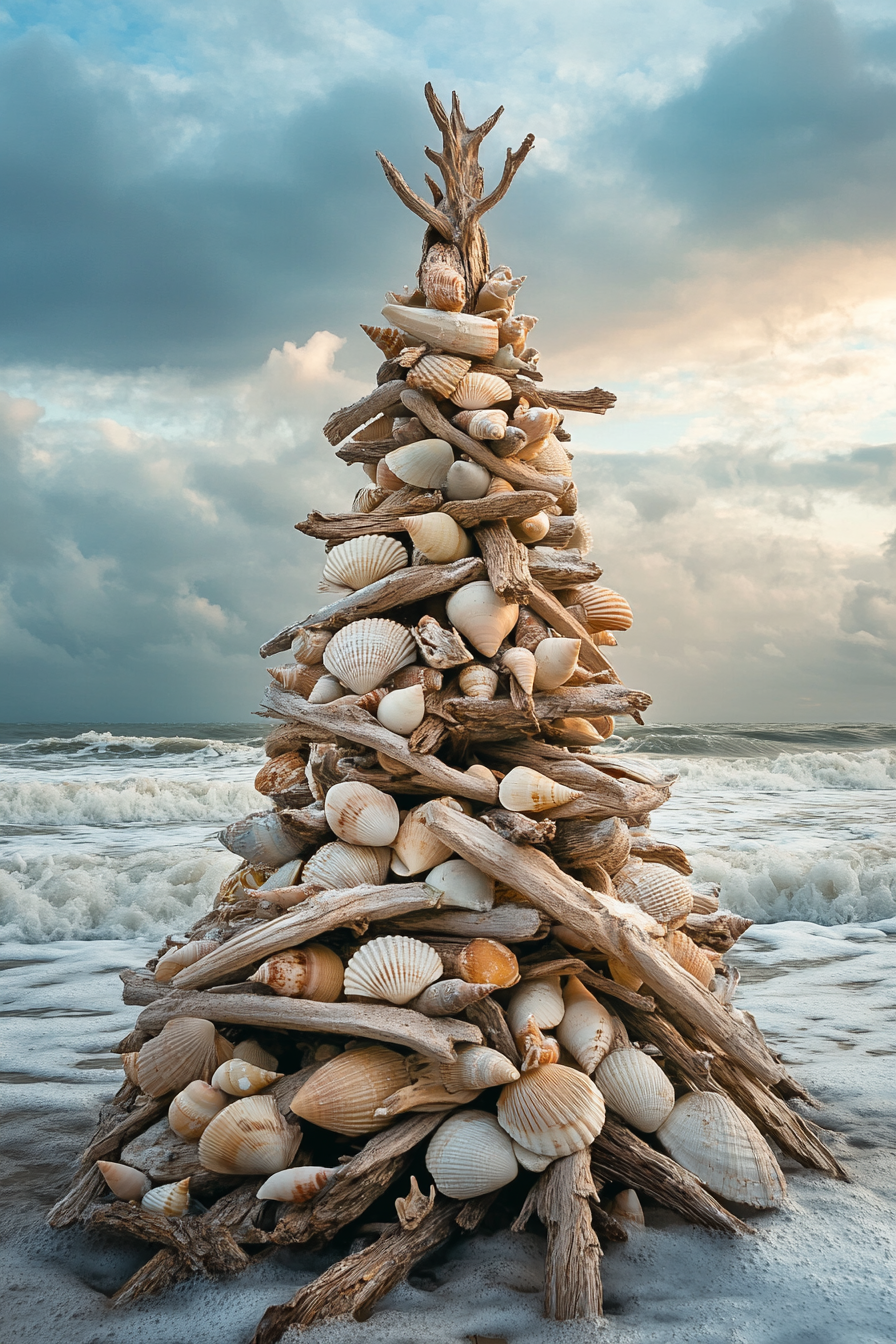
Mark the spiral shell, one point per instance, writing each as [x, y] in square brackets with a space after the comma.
[185, 1049]
[337, 864]
[458, 333]
[690, 957]
[710, 1137]
[326, 691]
[553, 1111]
[344, 1094]
[296, 676]
[438, 537]
[362, 560]
[463, 887]
[478, 391]
[656, 889]
[193, 1109]
[438, 374]
[308, 646]
[401, 712]
[424, 464]
[296, 1185]
[124, 1182]
[467, 480]
[388, 339]
[172, 1200]
[515, 332]
[521, 664]
[396, 969]
[478, 682]
[488, 423]
[365, 653]
[635, 1086]
[478, 613]
[176, 958]
[249, 1138]
[416, 848]
[309, 972]
[525, 790]
[359, 814]
[586, 1028]
[555, 662]
[239, 1078]
[469, 1155]
[530, 530]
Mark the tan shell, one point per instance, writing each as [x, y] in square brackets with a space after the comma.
[463, 886]
[438, 537]
[469, 1155]
[484, 961]
[383, 478]
[478, 391]
[467, 480]
[478, 613]
[525, 790]
[401, 712]
[362, 560]
[124, 1182]
[477, 1068]
[482, 424]
[309, 972]
[239, 1078]
[627, 1206]
[553, 1111]
[129, 1065]
[253, 1053]
[395, 969]
[424, 464]
[249, 1138]
[527, 1159]
[530, 530]
[586, 1028]
[193, 1109]
[416, 848]
[308, 646]
[442, 283]
[365, 653]
[690, 957]
[296, 1185]
[555, 662]
[377, 431]
[388, 339]
[521, 663]
[499, 486]
[635, 1086]
[438, 374]
[176, 958]
[624, 975]
[448, 998]
[343, 1095]
[582, 538]
[185, 1049]
[605, 609]
[552, 459]
[574, 733]
[515, 332]
[459, 333]
[172, 1200]
[264, 838]
[536, 422]
[359, 814]
[710, 1137]
[296, 676]
[478, 682]
[337, 864]
[282, 773]
[541, 999]
[368, 498]
[326, 690]
[656, 889]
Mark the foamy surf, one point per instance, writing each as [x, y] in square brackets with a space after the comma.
[137, 798]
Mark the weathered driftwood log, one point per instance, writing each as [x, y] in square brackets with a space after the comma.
[440, 648]
[585, 701]
[580, 843]
[560, 531]
[602, 984]
[507, 504]
[519, 828]
[354, 452]
[338, 527]
[561, 569]
[562, 1198]
[207, 1250]
[593, 400]
[719, 931]
[506, 560]
[549, 609]
[507, 923]
[342, 422]
[693, 1065]
[648, 849]
[489, 1017]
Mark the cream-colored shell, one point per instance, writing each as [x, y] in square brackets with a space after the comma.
[249, 1138]
[185, 1049]
[553, 1111]
[586, 1028]
[416, 848]
[477, 1067]
[582, 538]
[368, 498]
[309, 972]
[469, 1155]
[239, 1078]
[521, 664]
[171, 1200]
[488, 423]
[439, 374]
[478, 682]
[627, 1206]
[337, 864]
[193, 1109]
[530, 530]
[478, 613]
[467, 480]
[690, 957]
[359, 814]
[578, 732]
[438, 537]
[635, 1086]
[710, 1137]
[395, 969]
[656, 889]
[478, 391]
[555, 662]
[296, 676]
[459, 333]
[362, 560]
[424, 464]
[362, 655]
[176, 958]
[541, 999]
[463, 886]
[296, 1185]
[253, 1053]
[401, 712]
[308, 646]
[345, 1093]
[525, 790]
[326, 691]
[526, 1158]
[552, 459]
[536, 422]
[124, 1182]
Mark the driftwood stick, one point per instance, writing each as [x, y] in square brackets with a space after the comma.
[560, 531]
[344, 526]
[593, 400]
[205, 1251]
[561, 569]
[87, 1188]
[506, 560]
[601, 984]
[583, 701]
[519, 828]
[508, 504]
[342, 422]
[489, 1017]
[660, 851]
[549, 609]
[507, 923]
[562, 1199]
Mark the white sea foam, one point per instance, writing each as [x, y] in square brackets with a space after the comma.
[44, 801]
[790, 771]
[93, 743]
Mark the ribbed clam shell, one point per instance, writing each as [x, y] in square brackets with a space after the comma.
[124, 1182]
[362, 560]
[477, 1067]
[463, 886]
[635, 1086]
[251, 1051]
[478, 391]
[297, 677]
[656, 889]
[536, 422]
[605, 609]
[525, 790]
[401, 712]
[416, 848]
[325, 691]
[706, 898]
[530, 530]
[485, 961]
[586, 1028]
[309, 972]
[264, 838]
[467, 480]
[361, 815]
[441, 278]
[185, 1049]
[521, 663]
[365, 653]
[296, 1185]
[439, 374]
[344, 1094]
[541, 999]
[424, 464]
[438, 537]
[172, 1200]
[459, 333]
[529, 1160]
[689, 956]
[488, 423]
[177, 957]
[193, 1109]
[282, 773]
[337, 864]
[478, 613]
[555, 662]
[469, 1155]
[388, 339]
[376, 432]
[478, 682]
[710, 1137]
[553, 1111]
[249, 1138]
[239, 1078]
[368, 498]
[396, 969]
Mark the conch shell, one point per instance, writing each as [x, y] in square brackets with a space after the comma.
[359, 814]
[249, 1138]
[467, 480]
[478, 391]
[416, 848]
[296, 676]
[552, 1111]
[172, 1200]
[345, 1093]
[401, 712]
[458, 333]
[388, 339]
[470, 1155]
[710, 1137]
[185, 1049]
[362, 560]
[193, 1109]
[296, 1185]
[463, 887]
[395, 969]
[525, 790]
[365, 653]
[478, 613]
[176, 958]
[478, 682]
[438, 536]
[124, 1182]
[239, 1078]
[482, 424]
[337, 864]
[309, 972]
[586, 1028]
[438, 374]
[424, 464]
[635, 1086]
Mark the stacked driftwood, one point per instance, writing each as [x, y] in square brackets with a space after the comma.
[454, 979]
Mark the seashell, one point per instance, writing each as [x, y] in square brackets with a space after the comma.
[176, 958]
[443, 285]
[521, 663]
[478, 391]
[484, 961]
[343, 1095]
[129, 1065]
[541, 999]
[424, 464]
[526, 1158]
[369, 470]
[249, 1138]
[296, 676]
[365, 653]
[553, 1111]
[469, 1155]
[627, 1206]
[239, 1078]
[458, 333]
[415, 298]
[525, 790]
[536, 422]
[402, 712]
[499, 486]
[308, 646]
[185, 1049]
[124, 1182]
[384, 479]
[253, 1053]
[582, 538]
[282, 773]
[586, 1028]
[193, 1109]
[478, 682]
[359, 814]
[555, 662]
[499, 290]
[710, 1137]
[362, 560]
[377, 431]
[296, 1185]
[371, 700]
[480, 772]
[656, 889]
[551, 458]
[536, 1048]
[482, 424]
[438, 374]
[408, 429]
[467, 480]
[438, 536]
[388, 339]
[287, 875]
[463, 887]
[309, 972]
[416, 848]
[634, 1085]
[624, 975]
[477, 612]
[447, 998]
[515, 332]
[605, 609]
[325, 691]
[574, 733]
[394, 968]
[706, 898]
[690, 957]
[264, 838]
[530, 530]
[172, 1200]
[337, 864]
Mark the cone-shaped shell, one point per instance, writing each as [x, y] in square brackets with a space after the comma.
[521, 664]
[710, 1137]
[297, 676]
[527, 1159]
[424, 464]
[185, 1049]
[575, 732]
[530, 530]
[586, 1028]
[448, 998]
[459, 333]
[309, 972]
[635, 1086]
[605, 609]
[463, 886]
[438, 537]
[480, 615]
[690, 957]
[124, 1182]
[193, 1109]
[361, 815]
[344, 1094]
[469, 1155]
[656, 889]
[541, 999]
[325, 691]
[362, 655]
[176, 958]
[489, 423]
[251, 1051]
[477, 1067]
[485, 961]
[416, 848]
[555, 662]
[282, 773]
[467, 480]
[438, 374]
[553, 1110]
[627, 1206]
[395, 969]
[249, 1138]
[172, 1200]
[296, 1185]
[239, 1078]
[337, 864]
[401, 712]
[582, 538]
[478, 391]
[362, 560]
[478, 682]
[388, 339]
[525, 790]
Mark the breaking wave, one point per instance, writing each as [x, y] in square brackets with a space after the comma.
[43, 801]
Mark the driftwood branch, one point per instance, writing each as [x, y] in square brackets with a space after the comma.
[506, 504]
[594, 400]
[561, 569]
[344, 421]
[428, 213]
[549, 609]
[506, 560]
[660, 851]
[507, 923]
[562, 1199]
[206, 1250]
[343, 526]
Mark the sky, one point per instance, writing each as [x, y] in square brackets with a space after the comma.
[193, 224]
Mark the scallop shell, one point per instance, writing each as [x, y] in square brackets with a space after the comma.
[541, 999]
[467, 480]
[296, 1185]
[396, 969]
[690, 958]
[343, 1095]
[530, 530]
[365, 653]
[193, 1109]
[710, 1137]
[553, 1111]
[253, 1053]
[424, 464]
[176, 958]
[444, 286]
[469, 1155]
[478, 613]
[438, 537]
[401, 712]
[124, 1182]
[555, 662]
[172, 1200]
[521, 663]
[264, 838]
[525, 790]
[239, 1078]
[185, 1049]
[478, 682]
[296, 676]
[483, 424]
[438, 374]
[416, 848]
[308, 646]
[478, 391]
[368, 498]
[388, 339]
[605, 609]
[362, 560]
[359, 814]
[485, 961]
[526, 1158]
[463, 887]
[337, 864]
[377, 431]
[635, 1086]
[326, 691]
[282, 773]
[249, 1138]
[656, 889]
[309, 972]
[586, 1028]
[458, 333]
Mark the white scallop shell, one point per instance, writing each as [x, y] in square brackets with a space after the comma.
[249, 1138]
[365, 653]
[635, 1086]
[296, 1185]
[586, 1028]
[438, 537]
[361, 815]
[552, 1110]
[424, 464]
[362, 560]
[239, 1078]
[467, 480]
[337, 864]
[555, 662]
[469, 1155]
[401, 712]
[478, 391]
[710, 1137]
[396, 969]
[477, 612]
[525, 790]
[463, 887]
[172, 1200]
